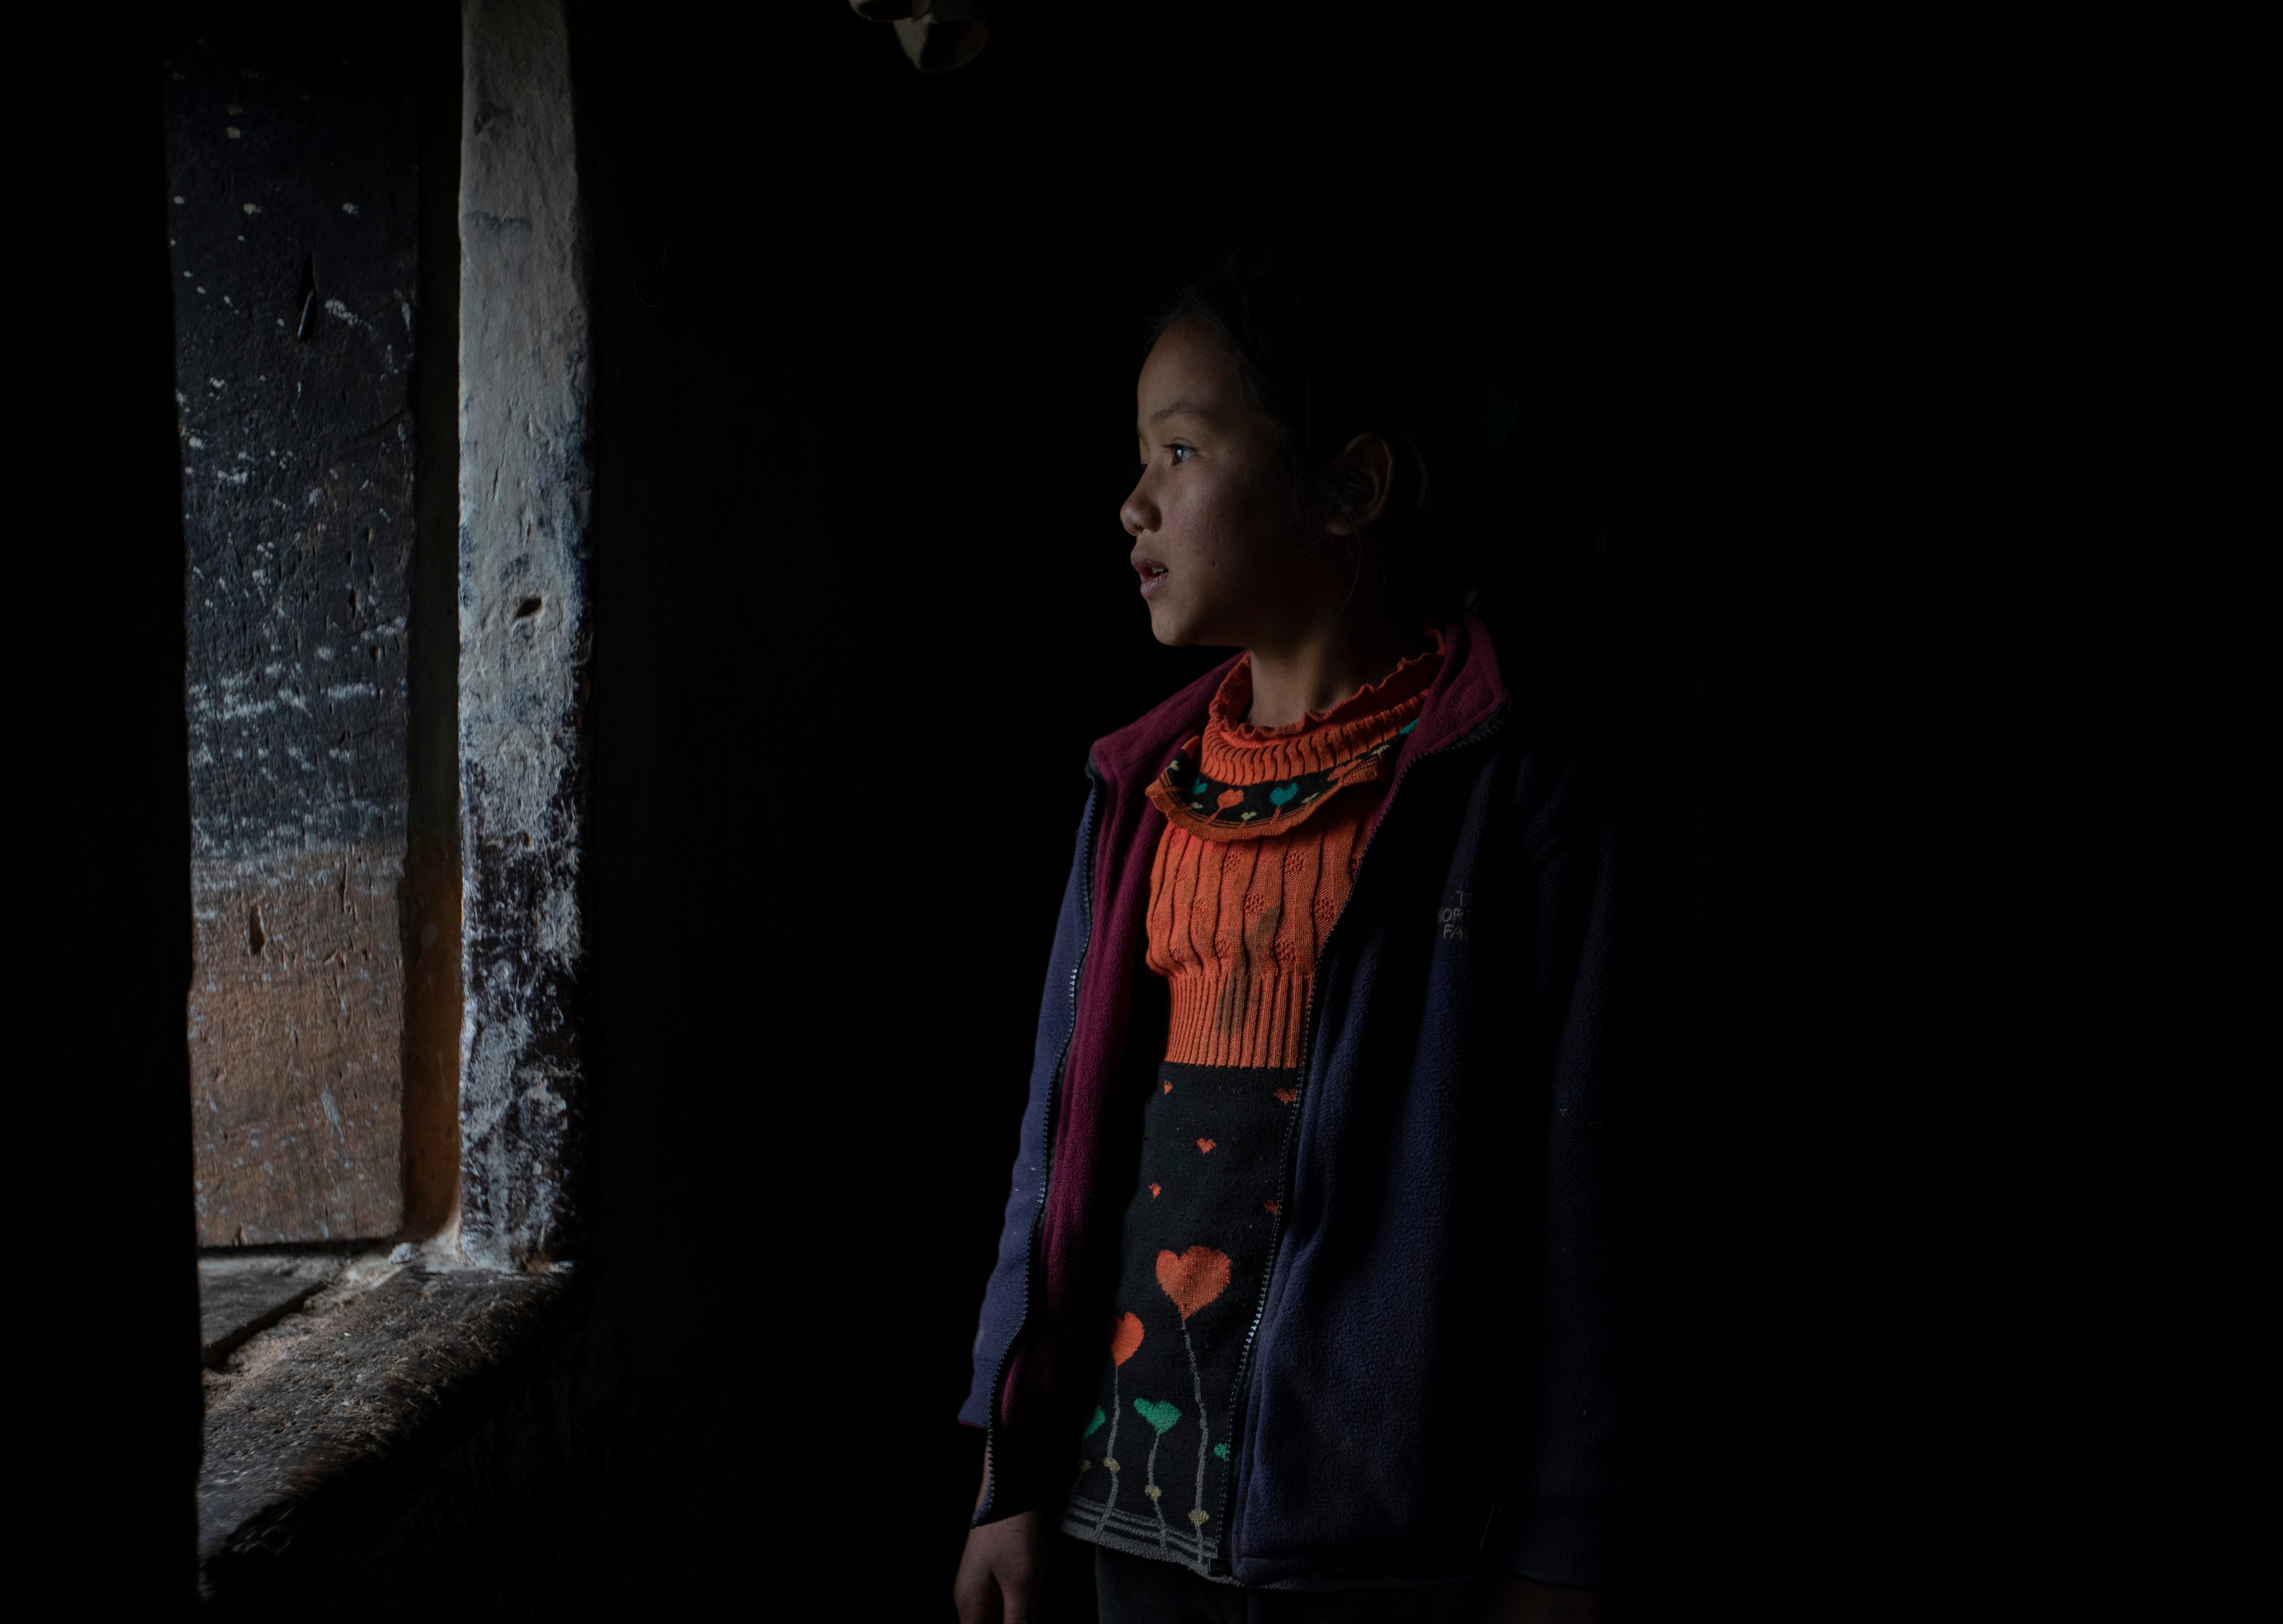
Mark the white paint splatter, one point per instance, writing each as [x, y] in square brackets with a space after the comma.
[251, 208]
[348, 208]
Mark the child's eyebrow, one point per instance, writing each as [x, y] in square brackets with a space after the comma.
[1174, 409]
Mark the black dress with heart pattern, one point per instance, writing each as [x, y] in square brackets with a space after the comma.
[1155, 1462]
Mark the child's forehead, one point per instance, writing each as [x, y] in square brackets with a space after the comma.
[1191, 363]
[1190, 394]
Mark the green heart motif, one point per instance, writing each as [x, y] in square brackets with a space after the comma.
[1095, 1425]
[1160, 1415]
[1220, 1451]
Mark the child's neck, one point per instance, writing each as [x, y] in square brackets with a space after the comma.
[1324, 666]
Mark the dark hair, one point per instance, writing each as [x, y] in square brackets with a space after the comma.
[1327, 354]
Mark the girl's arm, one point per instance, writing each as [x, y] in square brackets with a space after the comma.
[1591, 1428]
[998, 1581]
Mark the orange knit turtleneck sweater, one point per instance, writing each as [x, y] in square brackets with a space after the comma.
[1263, 829]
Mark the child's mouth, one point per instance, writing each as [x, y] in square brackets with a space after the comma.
[1153, 575]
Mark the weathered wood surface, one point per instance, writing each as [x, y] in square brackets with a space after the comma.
[292, 181]
[240, 1295]
[523, 489]
[328, 1399]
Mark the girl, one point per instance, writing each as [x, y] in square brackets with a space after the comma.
[1339, 1277]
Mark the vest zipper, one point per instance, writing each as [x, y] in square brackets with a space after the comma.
[1239, 1460]
[996, 1431]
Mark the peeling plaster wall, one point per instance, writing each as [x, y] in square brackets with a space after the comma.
[524, 493]
[290, 182]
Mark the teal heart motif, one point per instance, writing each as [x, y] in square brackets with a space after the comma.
[1160, 1415]
[1280, 795]
[1095, 1425]
[1199, 787]
[1220, 1451]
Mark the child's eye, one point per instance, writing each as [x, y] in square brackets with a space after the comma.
[1182, 454]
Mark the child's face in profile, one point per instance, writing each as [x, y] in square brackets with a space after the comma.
[1215, 537]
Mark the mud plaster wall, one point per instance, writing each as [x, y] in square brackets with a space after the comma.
[292, 184]
[524, 499]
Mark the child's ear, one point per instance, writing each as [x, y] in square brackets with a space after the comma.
[1363, 474]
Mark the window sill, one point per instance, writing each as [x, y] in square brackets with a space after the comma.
[374, 1364]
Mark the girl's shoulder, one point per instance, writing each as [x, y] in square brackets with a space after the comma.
[1561, 765]
[1135, 752]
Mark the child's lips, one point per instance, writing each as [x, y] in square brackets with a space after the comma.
[1152, 573]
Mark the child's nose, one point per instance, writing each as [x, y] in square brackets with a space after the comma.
[1135, 514]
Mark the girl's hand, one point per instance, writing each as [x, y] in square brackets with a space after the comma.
[998, 1581]
[1505, 1598]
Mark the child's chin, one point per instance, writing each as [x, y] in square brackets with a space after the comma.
[1168, 628]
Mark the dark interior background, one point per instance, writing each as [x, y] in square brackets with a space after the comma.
[1875, 422]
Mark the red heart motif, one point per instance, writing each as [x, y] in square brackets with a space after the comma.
[1206, 1146]
[1154, 1189]
[1125, 1337]
[1288, 1095]
[1194, 1279]
[1273, 1209]
[1167, 1087]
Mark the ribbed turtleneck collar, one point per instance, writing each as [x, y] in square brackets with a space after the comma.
[1233, 751]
